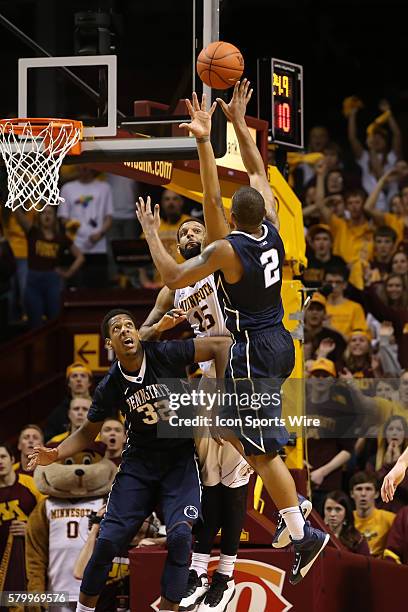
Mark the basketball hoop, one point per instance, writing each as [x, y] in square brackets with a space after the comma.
[33, 151]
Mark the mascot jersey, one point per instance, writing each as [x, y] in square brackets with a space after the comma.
[68, 532]
[143, 397]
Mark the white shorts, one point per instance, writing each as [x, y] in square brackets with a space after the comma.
[219, 464]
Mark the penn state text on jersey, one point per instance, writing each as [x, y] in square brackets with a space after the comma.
[143, 398]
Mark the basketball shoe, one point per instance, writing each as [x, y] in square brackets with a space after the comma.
[306, 551]
[219, 594]
[197, 587]
[282, 537]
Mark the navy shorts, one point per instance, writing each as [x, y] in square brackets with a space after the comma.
[259, 363]
[145, 479]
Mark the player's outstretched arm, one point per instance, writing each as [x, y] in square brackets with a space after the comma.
[162, 317]
[214, 214]
[79, 440]
[217, 256]
[394, 477]
[253, 162]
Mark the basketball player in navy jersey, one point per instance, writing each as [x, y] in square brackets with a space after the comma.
[224, 472]
[248, 265]
[153, 469]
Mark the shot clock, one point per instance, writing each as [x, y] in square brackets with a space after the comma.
[280, 100]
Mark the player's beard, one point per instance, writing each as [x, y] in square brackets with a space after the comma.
[190, 252]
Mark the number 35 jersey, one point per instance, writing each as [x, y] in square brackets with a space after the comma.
[144, 397]
[203, 311]
[254, 303]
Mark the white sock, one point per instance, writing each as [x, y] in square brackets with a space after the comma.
[81, 608]
[199, 563]
[294, 520]
[226, 564]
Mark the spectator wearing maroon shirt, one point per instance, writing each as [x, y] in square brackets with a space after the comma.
[320, 255]
[396, 548]
[385, 240]
[338, 515]
[330, 445]
[46, 245]
[18, 498]
[389, 302]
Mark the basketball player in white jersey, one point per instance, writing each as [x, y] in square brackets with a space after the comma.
[224, 472]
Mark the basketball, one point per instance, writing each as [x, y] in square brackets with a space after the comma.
[220, 65]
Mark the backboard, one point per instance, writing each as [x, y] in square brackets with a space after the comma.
[89, 87]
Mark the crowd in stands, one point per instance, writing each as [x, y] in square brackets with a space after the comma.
[355, 207]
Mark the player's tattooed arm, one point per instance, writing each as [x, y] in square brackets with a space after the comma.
[253, 162]
[216, 223]
[162, 317]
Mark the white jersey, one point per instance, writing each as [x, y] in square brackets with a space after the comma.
[68, 532]
[201, 305]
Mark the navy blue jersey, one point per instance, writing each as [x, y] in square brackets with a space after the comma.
[142, 398]
[254, 303]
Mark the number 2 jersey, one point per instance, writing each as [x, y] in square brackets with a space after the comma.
[254, 303]
[143, 396]
[203, 311]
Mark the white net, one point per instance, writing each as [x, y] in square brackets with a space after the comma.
[33, 156]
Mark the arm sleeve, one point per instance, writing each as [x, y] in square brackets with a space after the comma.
[37, 548]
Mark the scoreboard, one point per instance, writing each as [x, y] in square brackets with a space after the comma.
[280, 100]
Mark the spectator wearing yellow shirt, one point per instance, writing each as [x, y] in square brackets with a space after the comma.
[344, 315]
[371, 522]
[352, 237]
[398, 219]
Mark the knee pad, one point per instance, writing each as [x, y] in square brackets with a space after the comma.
[104, 551]
[179, 540]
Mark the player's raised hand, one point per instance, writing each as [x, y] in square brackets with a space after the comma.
[150, 221]
[236, 107]
[391, 481]
[173, 317]
[41, 456]
[200, 125]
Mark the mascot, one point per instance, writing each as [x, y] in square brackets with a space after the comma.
[59, 526]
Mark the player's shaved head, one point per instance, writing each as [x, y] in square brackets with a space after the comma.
[248, 207]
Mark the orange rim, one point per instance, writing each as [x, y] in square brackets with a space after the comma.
[17, 126]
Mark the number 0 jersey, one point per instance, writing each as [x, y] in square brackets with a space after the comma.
[254, 303]
[203, 310]
[143, 397]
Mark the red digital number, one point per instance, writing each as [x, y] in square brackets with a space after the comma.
[284, 117]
